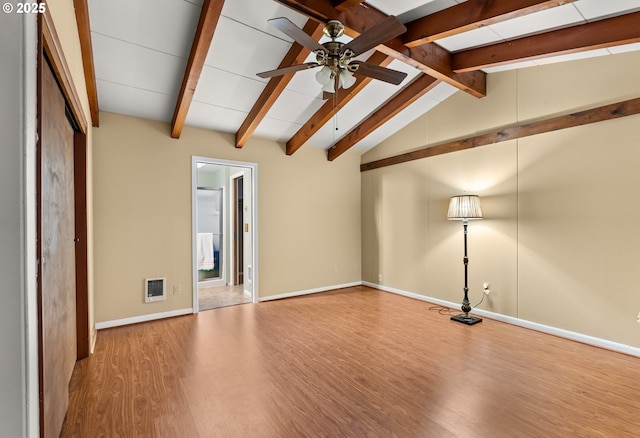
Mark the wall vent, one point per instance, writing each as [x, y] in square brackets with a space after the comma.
[155, 289]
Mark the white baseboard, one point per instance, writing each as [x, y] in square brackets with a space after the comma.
[574, 336]
[567, 334]
[309, 291]
[142, 318]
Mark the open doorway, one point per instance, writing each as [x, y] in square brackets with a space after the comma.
[224, 233]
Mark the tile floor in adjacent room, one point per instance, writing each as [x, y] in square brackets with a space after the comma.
[221, 296]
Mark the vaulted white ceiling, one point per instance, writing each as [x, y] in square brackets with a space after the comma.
[141, 48]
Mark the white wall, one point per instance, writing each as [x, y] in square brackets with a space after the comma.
[18, 336]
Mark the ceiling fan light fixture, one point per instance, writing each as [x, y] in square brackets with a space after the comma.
[335, 56]
[346, 78]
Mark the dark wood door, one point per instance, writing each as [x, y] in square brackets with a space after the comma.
[57, 255]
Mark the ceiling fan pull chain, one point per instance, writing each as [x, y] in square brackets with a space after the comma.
[335, 117]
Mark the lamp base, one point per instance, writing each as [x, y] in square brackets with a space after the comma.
[469, 320]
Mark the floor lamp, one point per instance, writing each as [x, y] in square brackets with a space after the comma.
[465, 208]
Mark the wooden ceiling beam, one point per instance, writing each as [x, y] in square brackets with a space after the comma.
[435, 61]
[471, 15]
[276, 85]
[319, 10]
[332, 106]
[211, 10]
[341, 5]
[600, 114]
[429, 58]
[609, 32]
[84, 33]
[401, 100]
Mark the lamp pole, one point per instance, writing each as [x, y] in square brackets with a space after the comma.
[465, 318]
[466, 308]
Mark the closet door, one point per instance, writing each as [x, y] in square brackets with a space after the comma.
[57, 261]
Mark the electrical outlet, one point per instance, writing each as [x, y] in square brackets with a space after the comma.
[379, 277]
[486, 288]
[638, 318]
[177, 290]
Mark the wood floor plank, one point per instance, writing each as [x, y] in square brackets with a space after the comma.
[355, 362]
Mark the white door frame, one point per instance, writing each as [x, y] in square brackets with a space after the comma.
[253, 223]
[232, 209]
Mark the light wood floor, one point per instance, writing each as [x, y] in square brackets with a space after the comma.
[350, 363]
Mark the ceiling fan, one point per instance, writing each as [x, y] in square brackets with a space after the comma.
[337, 58]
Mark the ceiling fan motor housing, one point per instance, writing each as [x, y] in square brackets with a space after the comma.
[334, 57]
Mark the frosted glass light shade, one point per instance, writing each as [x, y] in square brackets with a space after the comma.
[464, 207]
[330, 87]
[325, 77]
[346, 78]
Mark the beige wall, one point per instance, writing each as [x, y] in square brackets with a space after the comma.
[557, 243]
[308, 214]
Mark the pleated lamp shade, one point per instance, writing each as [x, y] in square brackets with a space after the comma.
[464, 207]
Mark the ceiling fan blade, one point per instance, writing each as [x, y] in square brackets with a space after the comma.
[287, 27]
[285, 70]
[381, 73]
[382, 32]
